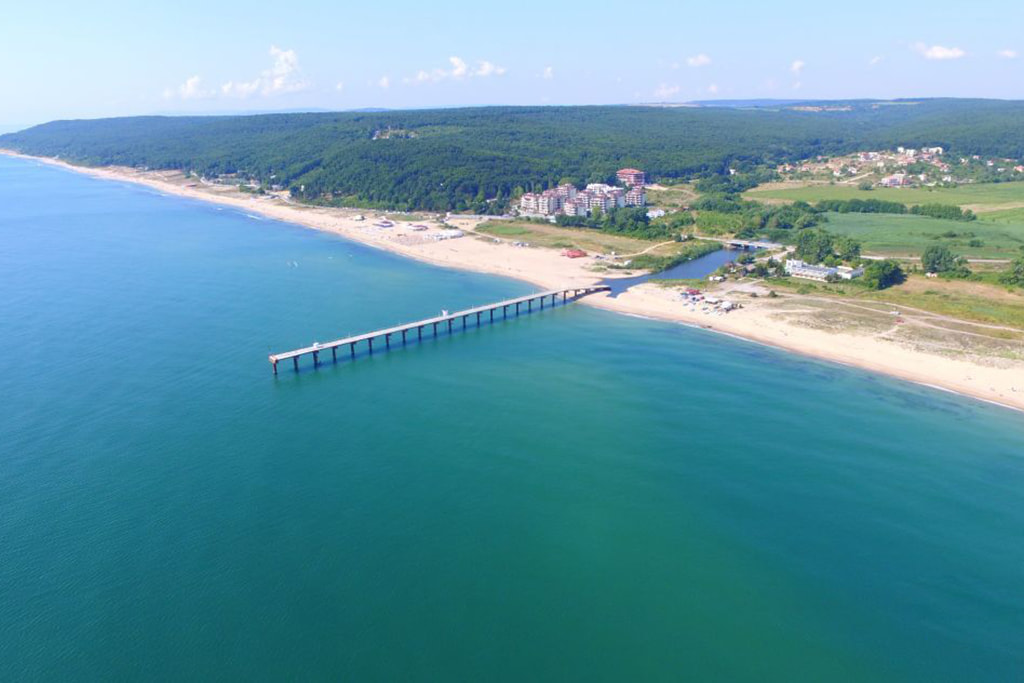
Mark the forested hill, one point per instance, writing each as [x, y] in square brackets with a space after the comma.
[455, 158]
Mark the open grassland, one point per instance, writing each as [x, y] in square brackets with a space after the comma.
[671, 196]
[1007, 216]
[556, 237]
[908, 235]
[963, 300]
[980, 198]
[998, 310]
[409, 217]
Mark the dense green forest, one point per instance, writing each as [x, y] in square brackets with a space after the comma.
[477, 159]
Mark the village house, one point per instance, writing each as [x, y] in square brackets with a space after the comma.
[894, 180]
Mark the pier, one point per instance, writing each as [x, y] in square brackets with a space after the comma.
[523, 304]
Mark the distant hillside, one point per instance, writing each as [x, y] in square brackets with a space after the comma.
[457, 158]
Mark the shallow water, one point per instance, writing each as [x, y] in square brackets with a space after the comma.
[571, 495]
[695, 269]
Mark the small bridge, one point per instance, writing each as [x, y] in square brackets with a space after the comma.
[430, 324]
[750, 244]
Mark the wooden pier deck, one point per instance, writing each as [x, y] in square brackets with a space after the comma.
[567, 296]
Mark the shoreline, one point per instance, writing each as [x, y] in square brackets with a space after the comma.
[759, 321]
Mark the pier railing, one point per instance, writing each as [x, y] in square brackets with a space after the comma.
[523, 304]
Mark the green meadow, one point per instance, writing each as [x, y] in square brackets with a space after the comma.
[981, 198]
[907, 235]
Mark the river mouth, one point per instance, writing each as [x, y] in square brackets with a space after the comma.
[697, 268]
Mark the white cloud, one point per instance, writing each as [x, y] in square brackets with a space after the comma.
[698, 60]
[713, 88]
[875, 61]
[427, 76]
[1008, 54]
[284, 76]
[797, 85]
[797, 66]
[384, 82]
[232, 89]
[665, 91]
[460, 70]
[339, 86]
[939, 51]
[548, 74]
[487, 69]
[191, 89]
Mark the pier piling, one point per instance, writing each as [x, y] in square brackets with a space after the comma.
[449, 318]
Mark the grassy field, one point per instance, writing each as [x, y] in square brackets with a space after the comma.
[980, 198]
[408, 217]
[1008, 216]
[555, 237]
[672, 197]
[976, 301]
[906, 235]
[979, 302]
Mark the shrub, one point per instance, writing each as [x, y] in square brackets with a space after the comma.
[883, 274]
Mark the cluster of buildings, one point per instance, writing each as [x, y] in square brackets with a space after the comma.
[903, 167]
[798, 268]
[864, 164]
[569, 201]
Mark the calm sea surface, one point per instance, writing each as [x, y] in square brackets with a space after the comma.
[571, 496]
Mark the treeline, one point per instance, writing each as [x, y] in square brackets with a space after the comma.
[730, 213]
[821, 246]
[945, 211]
[479, 159]
[631, 222]
[860, 206]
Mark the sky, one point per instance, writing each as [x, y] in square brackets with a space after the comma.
[114, 58]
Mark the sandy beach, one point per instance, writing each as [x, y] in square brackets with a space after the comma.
[789, 322]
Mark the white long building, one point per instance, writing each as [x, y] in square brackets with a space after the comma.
[798, 268]
[567, 200]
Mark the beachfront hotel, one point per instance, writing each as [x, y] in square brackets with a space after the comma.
[567, 200]
[631, 177]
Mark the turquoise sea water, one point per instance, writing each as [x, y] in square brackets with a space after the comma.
[571, 496]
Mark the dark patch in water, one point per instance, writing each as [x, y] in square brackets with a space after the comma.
[697, 268]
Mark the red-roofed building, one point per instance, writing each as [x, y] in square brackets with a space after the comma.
[631, 177]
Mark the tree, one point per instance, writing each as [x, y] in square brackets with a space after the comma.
[865, 185]
[813, 246]
[846, 248]
[938, 259]
[1015, 274]
[883, 274]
